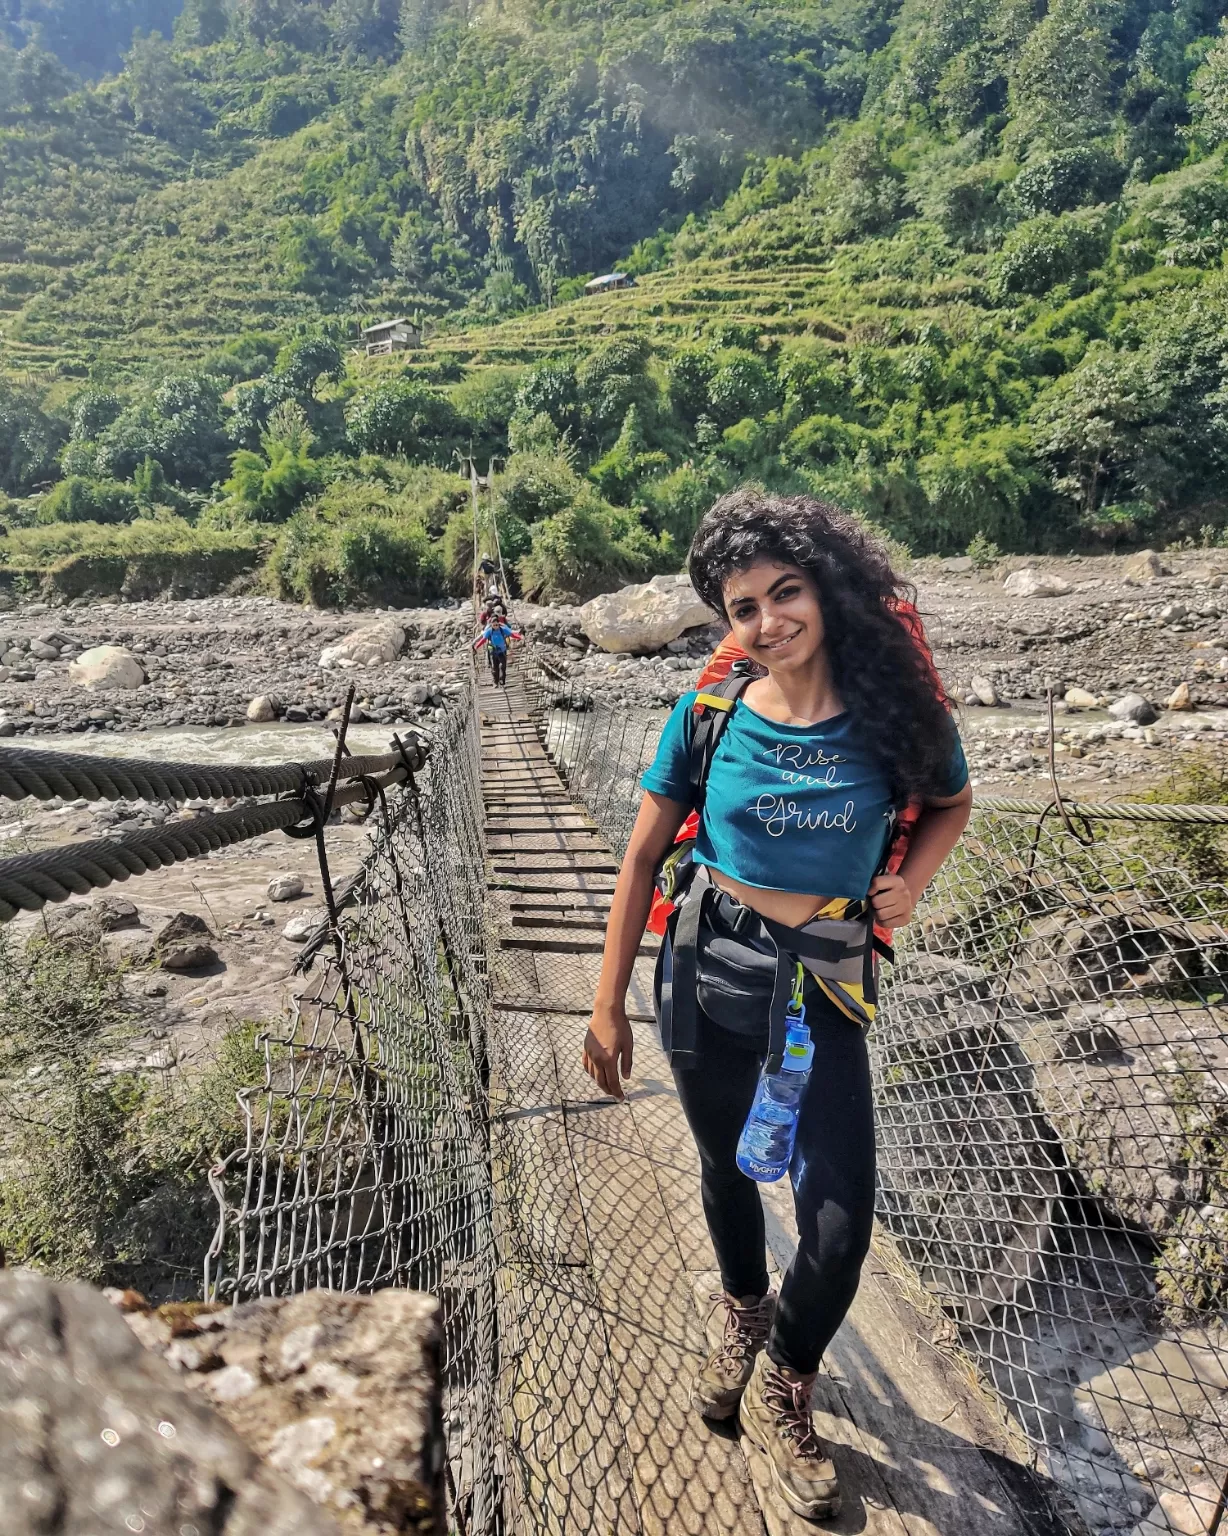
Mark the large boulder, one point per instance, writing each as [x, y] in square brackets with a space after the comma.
[373, 645]
[644, 617]
[100, 1435]
[1144, 567]
[1030, 583]
[1135, 709]
[338, 1393]
[106, 666]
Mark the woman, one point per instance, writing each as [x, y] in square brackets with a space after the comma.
[844, 726]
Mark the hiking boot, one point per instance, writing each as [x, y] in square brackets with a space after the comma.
[722, 1378]
[775, 1415]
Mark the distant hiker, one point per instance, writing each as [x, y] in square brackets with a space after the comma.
[496, 636]
[800, 764]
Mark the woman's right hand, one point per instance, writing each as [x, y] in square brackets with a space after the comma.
[607, 1047]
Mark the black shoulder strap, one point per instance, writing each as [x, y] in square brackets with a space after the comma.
[713, 707]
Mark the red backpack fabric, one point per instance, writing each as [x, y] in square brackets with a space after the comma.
[717, 668]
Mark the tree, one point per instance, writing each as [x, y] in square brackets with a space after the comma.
[302, 364]
[418, 21]
[405, 417]
[202, 23]
[28, 441]
[158, 92]
[741, 386]
[367, 26]
[550, 389]
[1210, 84]
[1102, 426]
[1060, 88]
[610, 381]
[179, 423]
[269, 488]
[538, 229]
[93, 412]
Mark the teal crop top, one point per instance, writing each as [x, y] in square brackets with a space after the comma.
[801, 808]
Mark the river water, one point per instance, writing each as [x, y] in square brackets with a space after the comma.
[252, 744]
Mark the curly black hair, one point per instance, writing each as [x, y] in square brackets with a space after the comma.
[884, 677]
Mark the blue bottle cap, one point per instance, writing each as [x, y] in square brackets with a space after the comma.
[797, 1037]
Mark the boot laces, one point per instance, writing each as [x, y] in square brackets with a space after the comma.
[788, 1401]
[745, 1329]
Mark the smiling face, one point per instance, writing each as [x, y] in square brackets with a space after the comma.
[775, 615]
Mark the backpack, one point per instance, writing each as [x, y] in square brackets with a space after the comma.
[712, 709]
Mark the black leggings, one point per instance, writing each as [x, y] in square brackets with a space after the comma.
[498, 666]
[832, 1176]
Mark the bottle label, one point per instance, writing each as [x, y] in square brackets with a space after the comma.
[758, 1170]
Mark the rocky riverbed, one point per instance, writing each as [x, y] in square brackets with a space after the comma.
[1111, 628]
[1098, 630]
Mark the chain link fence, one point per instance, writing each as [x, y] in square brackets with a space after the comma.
[1051, 1068]
[366, 1160]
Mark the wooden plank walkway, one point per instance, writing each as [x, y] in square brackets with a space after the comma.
[607, 1263]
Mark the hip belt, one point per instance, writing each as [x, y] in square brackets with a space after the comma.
[837, 947]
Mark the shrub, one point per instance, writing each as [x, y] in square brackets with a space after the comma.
[978, 487]
[406, 417]
[1051, 249]
[536, 485]
[585, 549]
[105, 1175]
[1066, 179]
[688, 375]
[485, 403]
[742, 385]
[550, 389]
[82, 500]
[982, 552]
[365, 559]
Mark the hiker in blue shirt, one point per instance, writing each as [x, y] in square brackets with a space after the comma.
[496, 636]
[834, 726]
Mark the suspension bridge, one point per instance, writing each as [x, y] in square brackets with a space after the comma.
[1037, 1344]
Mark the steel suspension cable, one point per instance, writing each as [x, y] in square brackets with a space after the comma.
[27, 773]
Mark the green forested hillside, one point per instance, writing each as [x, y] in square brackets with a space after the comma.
[958, 263]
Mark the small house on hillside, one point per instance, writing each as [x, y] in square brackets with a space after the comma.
[609, 282]
[391, 336]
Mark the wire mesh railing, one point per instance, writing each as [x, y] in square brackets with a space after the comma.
[1051, 1072]
[365, 1160]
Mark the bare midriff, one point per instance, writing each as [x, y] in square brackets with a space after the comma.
[785, 907]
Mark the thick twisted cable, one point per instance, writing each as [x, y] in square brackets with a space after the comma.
[30, 880]
[1107, 810]
[76, 775]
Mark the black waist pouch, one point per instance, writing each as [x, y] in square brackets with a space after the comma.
[736, 962]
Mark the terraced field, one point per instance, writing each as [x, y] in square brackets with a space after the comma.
[671, 306]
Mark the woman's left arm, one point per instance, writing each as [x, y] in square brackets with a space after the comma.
[938, 829]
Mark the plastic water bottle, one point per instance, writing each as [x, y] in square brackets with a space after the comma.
[765, 1148]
